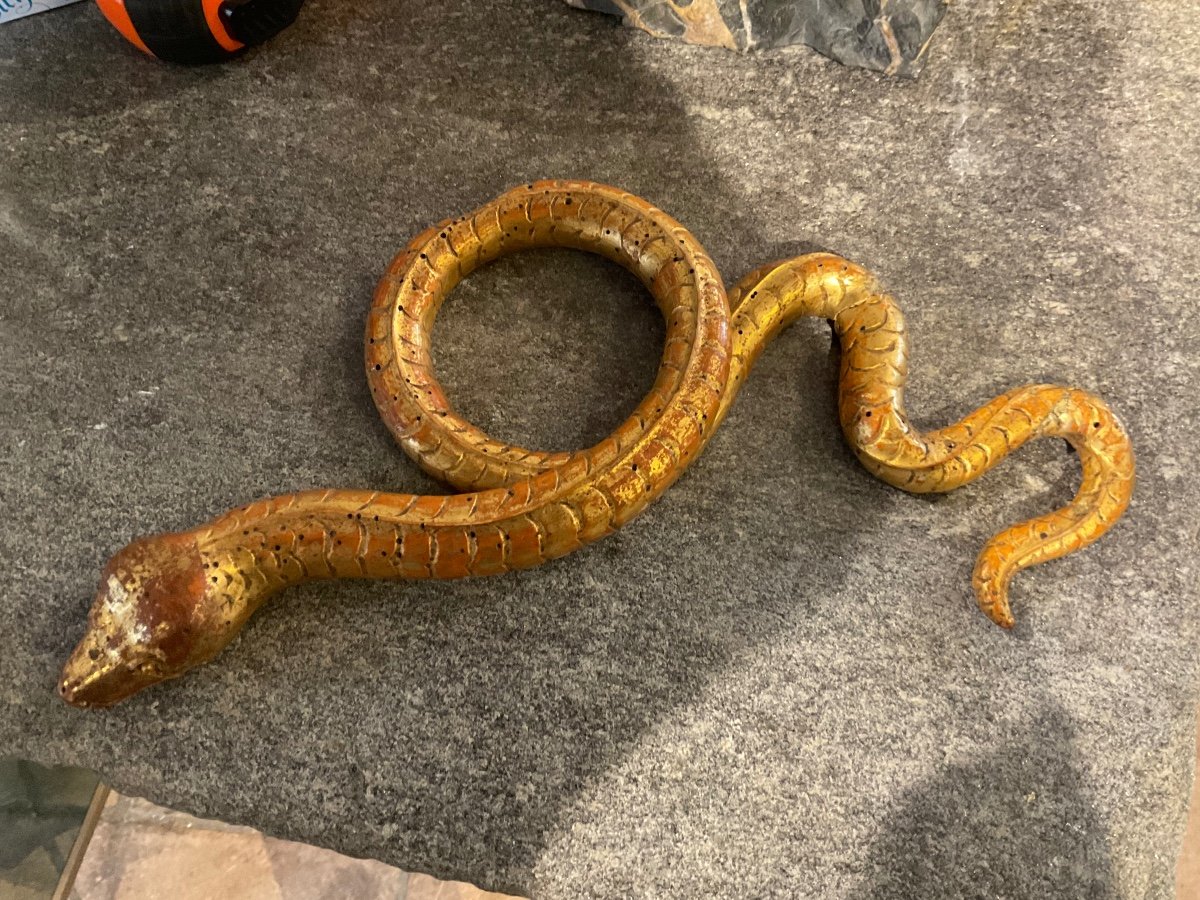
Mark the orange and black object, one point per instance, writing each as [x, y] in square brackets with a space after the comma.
[199, 31]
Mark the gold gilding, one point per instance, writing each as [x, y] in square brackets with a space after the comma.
[170, 602]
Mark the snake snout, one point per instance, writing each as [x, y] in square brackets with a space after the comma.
[99, 674]
[90, 680]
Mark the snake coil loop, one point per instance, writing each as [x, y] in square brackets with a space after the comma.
[170, 602]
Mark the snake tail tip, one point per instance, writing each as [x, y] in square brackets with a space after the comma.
[993, 601]
[999, 612]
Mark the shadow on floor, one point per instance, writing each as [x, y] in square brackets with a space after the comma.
[968, 833]
[452, 727]
[585, 663]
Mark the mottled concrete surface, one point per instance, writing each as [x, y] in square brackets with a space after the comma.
[775, 681]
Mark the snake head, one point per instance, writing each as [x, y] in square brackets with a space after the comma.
[147, 624]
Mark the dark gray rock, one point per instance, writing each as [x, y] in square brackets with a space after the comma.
[774, 683]
[884, 35]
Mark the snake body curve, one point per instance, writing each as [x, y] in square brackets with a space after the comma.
[170, 602]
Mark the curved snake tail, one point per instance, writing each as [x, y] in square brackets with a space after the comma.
[874, 368]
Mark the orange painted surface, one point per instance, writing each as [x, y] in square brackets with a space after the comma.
[118, 15]
[212, 15]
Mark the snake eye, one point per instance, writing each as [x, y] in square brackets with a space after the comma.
[150, 668]
[198, 31]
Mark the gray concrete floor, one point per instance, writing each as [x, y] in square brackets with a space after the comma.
[774, 682]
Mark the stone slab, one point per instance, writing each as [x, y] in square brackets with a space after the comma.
[775, 677]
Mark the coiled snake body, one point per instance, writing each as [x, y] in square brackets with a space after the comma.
[169, 602]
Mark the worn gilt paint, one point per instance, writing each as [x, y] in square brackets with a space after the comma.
[170, 602]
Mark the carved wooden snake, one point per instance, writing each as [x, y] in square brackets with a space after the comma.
[170, 602]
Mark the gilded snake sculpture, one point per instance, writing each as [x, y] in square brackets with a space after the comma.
[173, 601]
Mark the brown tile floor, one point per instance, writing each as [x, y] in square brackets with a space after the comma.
[140, 851]
[1188, 884]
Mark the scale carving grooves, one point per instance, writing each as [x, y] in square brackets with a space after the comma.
[170, 602]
